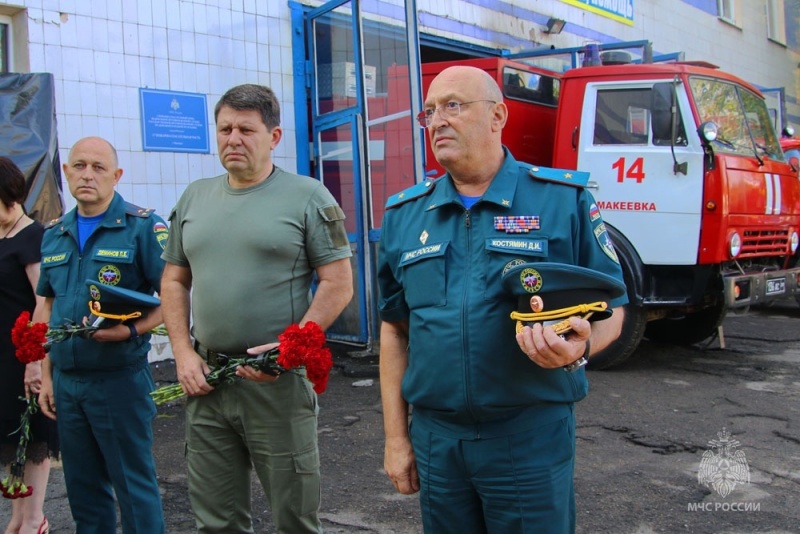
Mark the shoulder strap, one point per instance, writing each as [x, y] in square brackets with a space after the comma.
[415, 191]
[561, 176]
[136, 211]
[53, 222]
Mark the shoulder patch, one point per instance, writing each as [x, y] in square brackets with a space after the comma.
[136, 211]
[415, 191]
[53, 222]
[561, 176]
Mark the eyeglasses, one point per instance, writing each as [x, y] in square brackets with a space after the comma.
[448, 110]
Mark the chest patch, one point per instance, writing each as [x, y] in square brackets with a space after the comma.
[109, 274]
[428, 251]
[55, 259]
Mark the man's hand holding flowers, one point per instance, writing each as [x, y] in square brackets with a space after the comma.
[33, 340]
[193, 371]
[297, 347]
[251, 373]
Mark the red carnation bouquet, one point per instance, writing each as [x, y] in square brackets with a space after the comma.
[298, 347]
[33, 340]
[30, 340]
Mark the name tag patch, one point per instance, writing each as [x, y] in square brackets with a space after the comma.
[55, 259]
[117, 254]
[428, 251]
[528, 247]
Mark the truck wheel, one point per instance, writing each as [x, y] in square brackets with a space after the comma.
[625, 345]
[635, 319]
[688, 329]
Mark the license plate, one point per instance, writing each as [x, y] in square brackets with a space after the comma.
[776, 286]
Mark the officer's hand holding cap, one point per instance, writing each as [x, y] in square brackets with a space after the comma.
[551, 293]
[110, 305]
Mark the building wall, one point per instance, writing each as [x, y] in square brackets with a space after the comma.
[689, 26]
[102, 51]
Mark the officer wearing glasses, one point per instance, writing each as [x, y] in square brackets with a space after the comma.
[492, 445]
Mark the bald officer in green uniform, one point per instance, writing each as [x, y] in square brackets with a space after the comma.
[98, 388]
[492, 444]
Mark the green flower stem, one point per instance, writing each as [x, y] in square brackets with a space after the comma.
[265, 362]
[13, 486]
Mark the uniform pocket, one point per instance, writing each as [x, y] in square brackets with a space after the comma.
[424, 275]
[56, 270]
[114, 255]
[113, 265]
[505, 252]
[306, 494]
[334, 225]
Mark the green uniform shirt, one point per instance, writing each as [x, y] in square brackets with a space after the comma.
[124, 250]
[440, 269]
[252, 253]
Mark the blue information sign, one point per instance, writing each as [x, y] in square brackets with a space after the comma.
[173, 121]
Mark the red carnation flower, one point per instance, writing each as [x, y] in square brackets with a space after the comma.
[298, 347]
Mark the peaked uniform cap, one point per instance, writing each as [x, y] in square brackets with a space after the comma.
[117, 304]
[548, 292]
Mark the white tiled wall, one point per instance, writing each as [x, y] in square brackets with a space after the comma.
[102, 51]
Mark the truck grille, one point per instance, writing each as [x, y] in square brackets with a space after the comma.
[774, 242]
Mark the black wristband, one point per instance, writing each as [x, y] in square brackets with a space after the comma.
[580, 362]
[134, 333]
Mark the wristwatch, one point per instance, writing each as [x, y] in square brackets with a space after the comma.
[580, 362]
[134, 333]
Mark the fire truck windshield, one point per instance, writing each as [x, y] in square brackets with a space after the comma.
[745, 127]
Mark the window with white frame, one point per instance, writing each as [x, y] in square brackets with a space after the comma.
[5, 43]
[776, 21]
[726, 10]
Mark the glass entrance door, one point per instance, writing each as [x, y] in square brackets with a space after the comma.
[357, 99]
[337, 121]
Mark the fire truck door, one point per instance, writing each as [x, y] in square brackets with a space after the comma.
[625, 145]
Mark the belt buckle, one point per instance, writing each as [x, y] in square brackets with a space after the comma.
[220, 360]
[211, 357]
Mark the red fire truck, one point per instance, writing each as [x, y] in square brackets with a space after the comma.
[686, 168]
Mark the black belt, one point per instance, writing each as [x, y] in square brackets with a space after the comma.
[217, 359]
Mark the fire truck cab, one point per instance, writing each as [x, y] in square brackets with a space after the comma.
[687, 170]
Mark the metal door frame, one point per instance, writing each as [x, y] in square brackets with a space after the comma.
[355, 117]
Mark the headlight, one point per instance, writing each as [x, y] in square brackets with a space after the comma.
[794, 241]
[708, 131]
[735, 244]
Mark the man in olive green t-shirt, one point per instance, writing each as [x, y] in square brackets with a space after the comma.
[242, 251]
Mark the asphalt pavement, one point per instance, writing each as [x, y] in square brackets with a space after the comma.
[643, 434]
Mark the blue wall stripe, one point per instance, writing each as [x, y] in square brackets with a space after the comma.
[709, 6]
